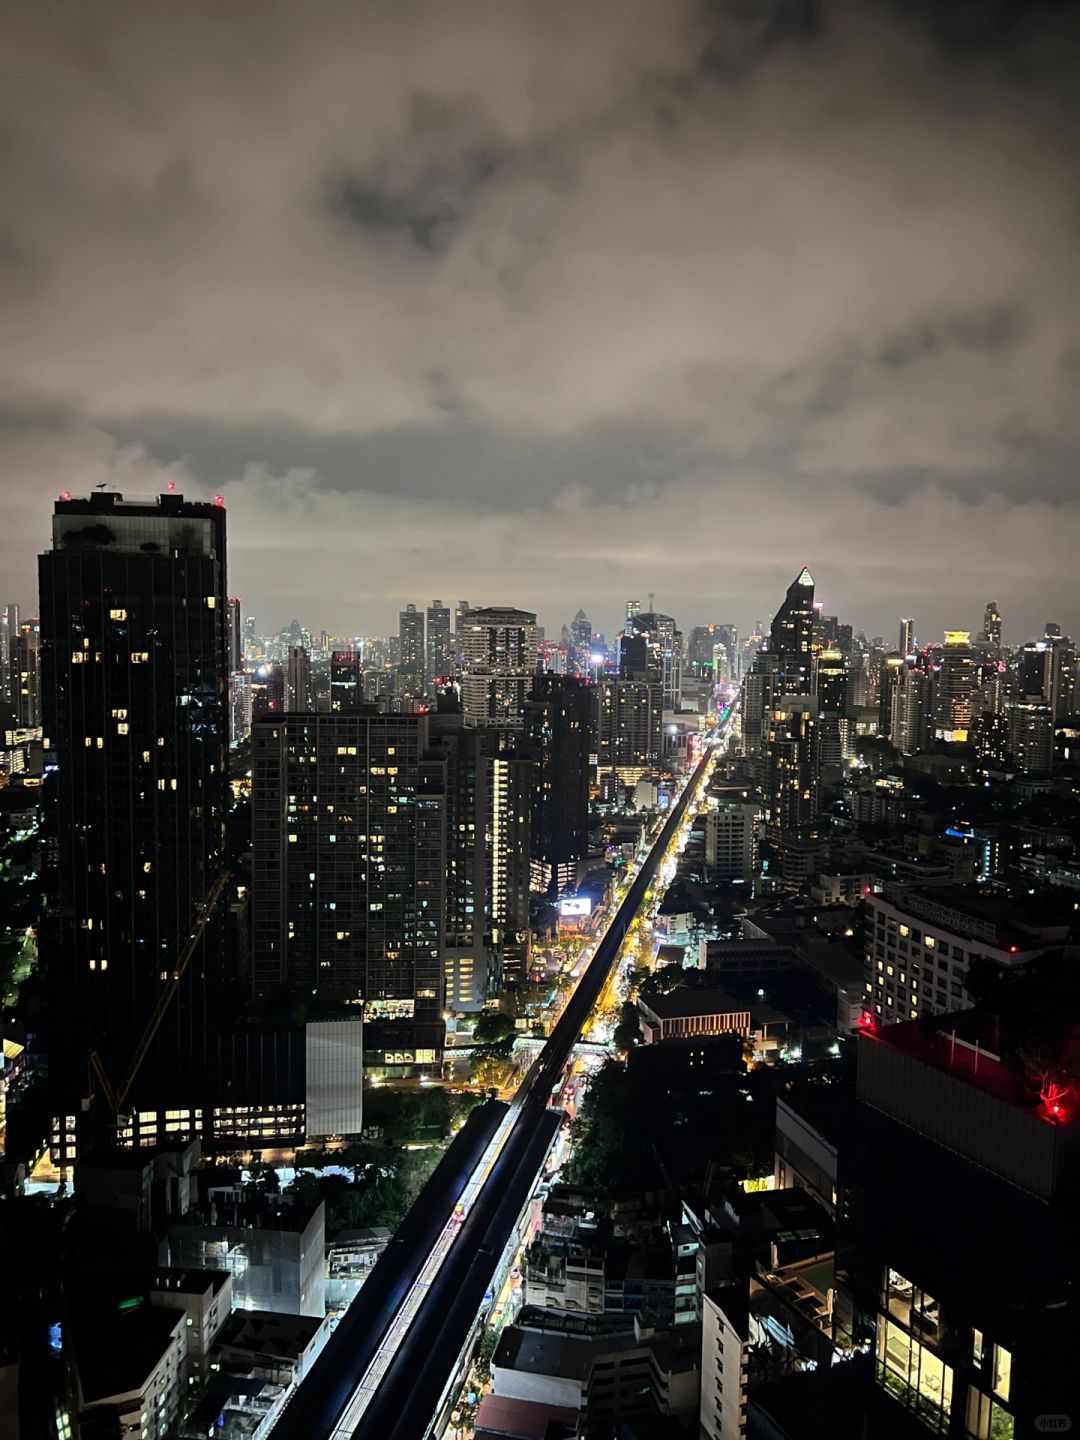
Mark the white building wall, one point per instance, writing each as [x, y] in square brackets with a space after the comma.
[723, 1376]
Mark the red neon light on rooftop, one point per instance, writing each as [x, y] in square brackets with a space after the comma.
[219, 499]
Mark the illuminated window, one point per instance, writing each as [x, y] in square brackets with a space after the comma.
[211, 602]
[122, 728]
[117, 614]
[78, 657]
[930, 942]
[1002, 1372]
[985, 1419]
[905, 930]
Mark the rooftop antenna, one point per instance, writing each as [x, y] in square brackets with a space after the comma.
[652, 600]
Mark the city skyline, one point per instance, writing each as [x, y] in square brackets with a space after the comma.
[402, 302]
[700, 608]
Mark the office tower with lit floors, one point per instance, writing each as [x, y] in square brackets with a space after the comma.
[348, 878]
[499, 663]
[134, 659]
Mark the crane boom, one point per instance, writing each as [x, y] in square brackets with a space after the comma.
[118, 1094]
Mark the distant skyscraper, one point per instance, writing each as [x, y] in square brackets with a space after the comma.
[629, 731]
[633, 607]
[411, 656]
[791, 636]
[992, 624]
[461, 612]
[1047, 668]
[9, 629]
[559, 721]
[134, 672]
[906, 644]
[440, 643]
[236, 644]
[791, 791]
[298, 680]
[346, 681]
[25, 677]
[663, 652]
[500, 648]
[349, 874]
[581, 634]
[268, 690]
[834, 725]
[889, 679]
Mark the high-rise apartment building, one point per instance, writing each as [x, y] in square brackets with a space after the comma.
[791, 636]
[500, 648]
[629, 731]
[791, 789]
[298, 696]
[760, 686]
[9, 629]
[559, 716]
[487, 861]
[268, 690]
[440, 643]
[906, 642]
[732, 836]
[25, 676]
[834, 723]
[411, 656]
[235, 630]
[890, 677]
[134, 660]
[348, 816]
[1047, 668]
[913, 711]
[1030, 745]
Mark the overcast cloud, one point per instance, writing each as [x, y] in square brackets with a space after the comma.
[555, 303]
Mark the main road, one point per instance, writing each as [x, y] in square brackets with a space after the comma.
[384, 1373]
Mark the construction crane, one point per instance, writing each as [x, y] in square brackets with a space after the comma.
[116, 1095]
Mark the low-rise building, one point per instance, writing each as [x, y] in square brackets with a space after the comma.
[921, 942]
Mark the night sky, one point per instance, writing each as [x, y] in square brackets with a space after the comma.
[554, 303]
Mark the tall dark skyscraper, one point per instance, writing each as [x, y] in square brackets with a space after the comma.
[349, 872]
[992, 624]
[346, 681]
[791, 636]
[411, 661]
[134, 658]
[559, 724]
[440, 643]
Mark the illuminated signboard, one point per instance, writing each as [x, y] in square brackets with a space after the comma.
[575, 905]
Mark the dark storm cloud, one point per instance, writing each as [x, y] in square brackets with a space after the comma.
[555, 304]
